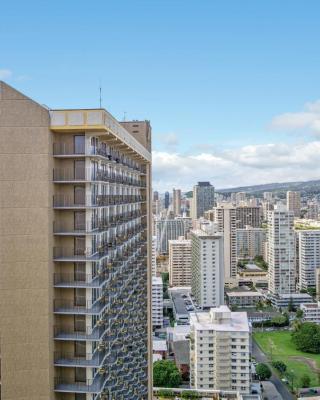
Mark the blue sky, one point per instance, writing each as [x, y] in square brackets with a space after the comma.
[210, 75]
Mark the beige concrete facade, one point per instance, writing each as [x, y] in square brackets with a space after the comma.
[180, 262]
[75, 254]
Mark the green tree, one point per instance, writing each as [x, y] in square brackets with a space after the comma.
[305, 381]
[299, 313]
[291, 307]
[280, 366]
[296, 324]
[165, 393]
[307, 338]
[190, 395]
[166, 374]
[263, 371]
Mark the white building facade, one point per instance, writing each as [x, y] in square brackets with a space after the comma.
[207, 268]
[250, 242]
[309, 257]
[157, 302]
[281, 251]
[219, 350]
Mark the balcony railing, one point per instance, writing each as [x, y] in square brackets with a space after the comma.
[70, 359]
[65, 201]
[73, 254]
[88, 174]
[78, 305]
[64, 384]
[86, 334]
[78, 279]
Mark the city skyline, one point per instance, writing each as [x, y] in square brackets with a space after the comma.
[230, 98]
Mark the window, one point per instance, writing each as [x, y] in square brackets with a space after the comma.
[79, 144]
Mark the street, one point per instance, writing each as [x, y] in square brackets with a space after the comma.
[262, 358]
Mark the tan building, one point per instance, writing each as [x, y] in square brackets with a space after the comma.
[75, 259]
[176, 202]
[225, 217]
[294, 203]
[141, 130]
[180, 262]
[248, 215]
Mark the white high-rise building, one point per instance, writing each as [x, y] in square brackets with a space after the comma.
[203, 199]
[268, 196]
[281, 250]
[250, 242]
[312, 210]
[309, 257]
[207, 268]
[180, 262]
[176, 202]
[154, 256]
[171, 229]
[241, 198]
[219, 350]
[226, 219]
[294, 203]
[157, 302]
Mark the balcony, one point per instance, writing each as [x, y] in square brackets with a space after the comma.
[86, 334]
[78, 306]
[62, 201]
[70, 360]
[78, 280]
[95, 385]
[62, 228]
[95, 120]
[88, 174]
[70, 254]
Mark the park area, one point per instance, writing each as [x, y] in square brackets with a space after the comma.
[278, 346]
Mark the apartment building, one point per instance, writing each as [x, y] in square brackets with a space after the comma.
[312, 210]
[157, 302]
[219, 350]
[207, 268]
[75, 320]
[281, 250]
[311, 312]
[309, 257]
[250, 242]
[203, 199]
[180, 262]
[294, 203]
[248, 215]
[176, 202]
[166, 200]
[224, 215]
[140, 130]
[154, 256]
[171, 229]
[240, 198]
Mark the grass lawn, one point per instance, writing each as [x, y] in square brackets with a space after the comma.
[278, 346]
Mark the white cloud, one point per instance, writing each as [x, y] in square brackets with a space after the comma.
[306, 121]
[170, 141]
[247, 165]
[5, 74]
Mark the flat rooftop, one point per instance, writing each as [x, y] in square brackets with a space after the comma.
[179, 301]
[252, 267]
[245, 293]
[237, 323]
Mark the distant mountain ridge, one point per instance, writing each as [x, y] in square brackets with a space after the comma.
[303, 186]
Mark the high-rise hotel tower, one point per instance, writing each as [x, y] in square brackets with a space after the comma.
[75, 252]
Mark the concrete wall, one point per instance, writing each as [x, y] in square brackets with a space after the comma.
[25, 248]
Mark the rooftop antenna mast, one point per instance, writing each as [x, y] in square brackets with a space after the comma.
[124, 115]
[100, 95]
